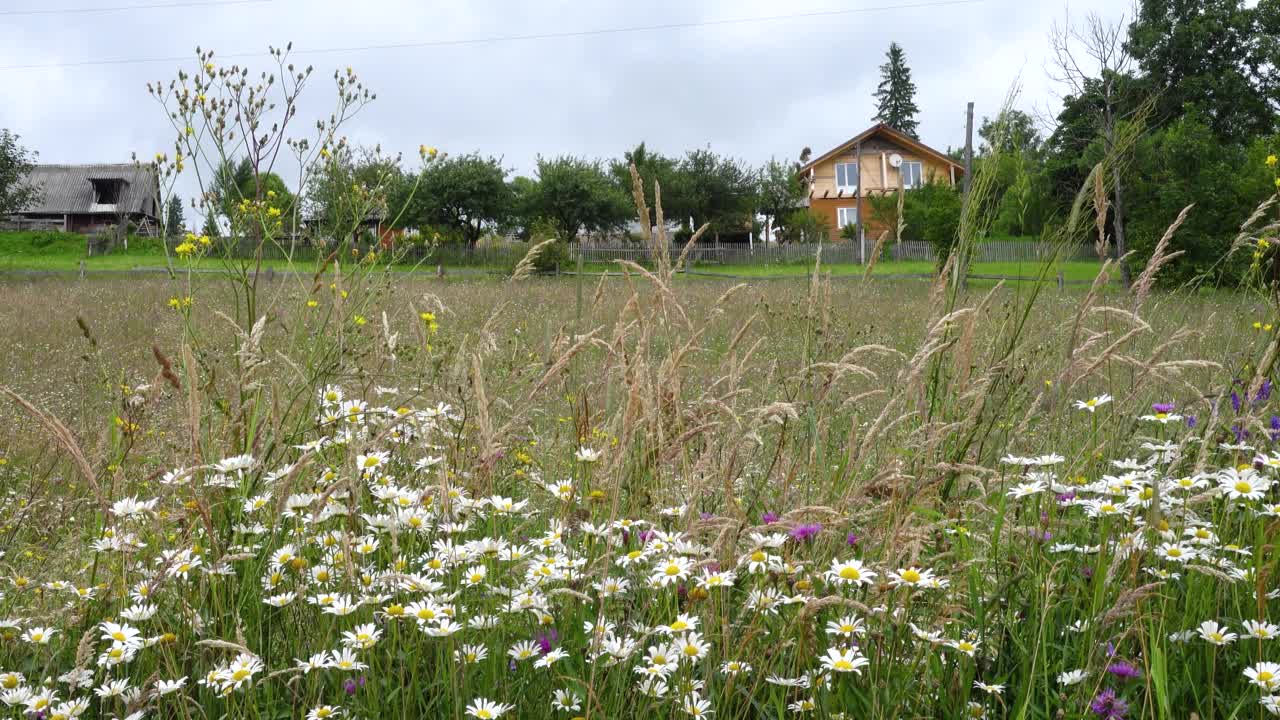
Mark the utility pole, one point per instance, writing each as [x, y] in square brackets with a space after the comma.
[968, 149]
[962, 264]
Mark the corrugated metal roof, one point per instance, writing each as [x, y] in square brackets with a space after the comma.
[67, 188]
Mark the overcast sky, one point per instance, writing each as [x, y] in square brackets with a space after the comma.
[750, 89]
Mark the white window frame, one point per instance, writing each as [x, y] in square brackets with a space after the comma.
[856, 177]
[919, 175]
[842, 213]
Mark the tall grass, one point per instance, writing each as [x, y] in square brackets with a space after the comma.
[347, 494]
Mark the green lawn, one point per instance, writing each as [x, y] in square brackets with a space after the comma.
[123, 261]
[1072, 271]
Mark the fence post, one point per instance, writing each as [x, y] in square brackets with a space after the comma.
[82, 269]
[1062, 281]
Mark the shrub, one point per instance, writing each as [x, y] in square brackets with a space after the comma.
[932, 214]
[805, 226]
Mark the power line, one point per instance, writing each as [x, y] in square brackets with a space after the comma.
[122, 8]
[514, 38]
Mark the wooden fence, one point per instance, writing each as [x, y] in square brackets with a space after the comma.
[507, 254]
[835, 253]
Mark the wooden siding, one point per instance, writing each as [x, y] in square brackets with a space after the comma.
[875, 177]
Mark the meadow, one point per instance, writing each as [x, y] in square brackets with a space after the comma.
[347, 491]
[564, 498]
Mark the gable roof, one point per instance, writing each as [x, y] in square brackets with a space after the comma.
[895, 136]
[67, 188]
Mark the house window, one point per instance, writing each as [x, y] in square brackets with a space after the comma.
[847, 177]
[846, 216]
[912, 175]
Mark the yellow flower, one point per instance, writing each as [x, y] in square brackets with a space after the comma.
[1271, 161]
[360, 320]
[273, 211]
[313, 303]
[204, 240]
[1257, 326]
[185, 249]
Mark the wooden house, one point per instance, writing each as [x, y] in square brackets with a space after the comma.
[877, 161]
[90, 198]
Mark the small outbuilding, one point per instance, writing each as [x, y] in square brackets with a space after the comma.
[91, 198]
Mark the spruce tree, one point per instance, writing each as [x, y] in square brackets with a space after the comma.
[175, 221]
[895, 96]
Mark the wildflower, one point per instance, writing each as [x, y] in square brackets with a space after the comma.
[1271, 161]
[565, 701]
[1093, 403]
[1176, 552]
[911, 576]
[693, 647]
[1261, 630]
[850, 572]
[1124, 669]
[1215, 634]
[989, 689]
[1027, 489]
[587, 455]
[671, 570]
[523, 650]
[39, 635]
[1246, 485]
[802, 533]
[695, 706]
[362, 637]
[1162, 413]
[735, 667]
[846, 627]
[550, 658]
[165, 687]
[1072, 677]
[1109, 707]
[345, 659]
[1265, 675]
[769, 518]
[483, 709]
[321, 712]
[838, 660]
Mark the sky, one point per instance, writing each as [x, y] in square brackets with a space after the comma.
[753, 79]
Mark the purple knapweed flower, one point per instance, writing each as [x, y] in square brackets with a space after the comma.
[769, 518]
[705, 515]
[805, 532]
[851, 539]
[1124, 669]
[351, 685]
[1109, 707]
[547, 640]
[1164, 408]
